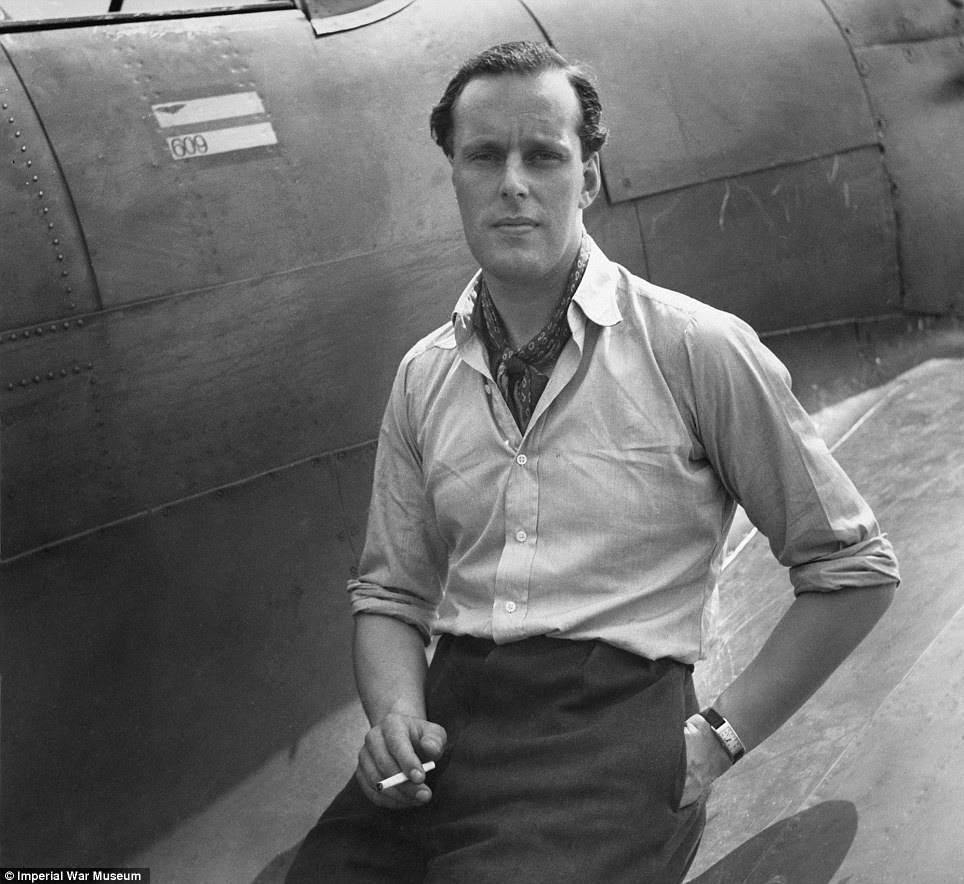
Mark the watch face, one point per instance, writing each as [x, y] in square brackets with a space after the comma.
[727, 736]
[730, 739]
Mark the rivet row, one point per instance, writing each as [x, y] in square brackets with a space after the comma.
[34, 179]
[39, 330]
[50, 376]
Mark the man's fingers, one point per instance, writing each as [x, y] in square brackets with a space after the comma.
[406, 794]
[432, 740]
[706, 759]
[377, 749]
[401, 737]
[692, 792]
[390, 798]
[399, 744]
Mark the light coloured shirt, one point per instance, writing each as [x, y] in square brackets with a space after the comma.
[607, 518]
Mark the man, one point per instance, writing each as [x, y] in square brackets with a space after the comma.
[557, 471]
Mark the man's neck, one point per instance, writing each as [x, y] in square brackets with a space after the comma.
[525, 309]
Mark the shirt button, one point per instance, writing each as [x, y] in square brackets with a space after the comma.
[522, 460]
[510, 607]
[488, 390]
[521, 536]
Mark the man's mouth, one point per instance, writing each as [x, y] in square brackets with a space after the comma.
[515, 223]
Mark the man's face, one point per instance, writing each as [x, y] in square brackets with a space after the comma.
[519, 176]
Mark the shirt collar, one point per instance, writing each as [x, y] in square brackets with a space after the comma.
[464, 308]
[596, 297]
[596, 294]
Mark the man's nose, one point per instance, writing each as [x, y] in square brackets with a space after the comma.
[514, 179]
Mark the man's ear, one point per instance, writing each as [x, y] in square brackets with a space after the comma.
[591, 180]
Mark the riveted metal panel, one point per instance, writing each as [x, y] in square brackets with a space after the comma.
[917, 91]
[151, 668]
[866, 22]
[57, 447]
[781, 248]
[154, 224]
[322, 176]
[43, 261]
[179, 396]
[357, 254]
[696, 91]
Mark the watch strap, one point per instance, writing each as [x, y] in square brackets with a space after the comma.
[725, 733]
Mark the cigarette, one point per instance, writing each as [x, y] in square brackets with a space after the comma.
[400, 778]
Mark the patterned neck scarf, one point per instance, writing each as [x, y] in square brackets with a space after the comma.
[522, 375]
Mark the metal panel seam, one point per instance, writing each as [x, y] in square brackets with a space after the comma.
[63, 177]
[788, 164]
[845, 36]
[914, 41]
[126, 18]
[639, 227]
[162, 507]
[214, 287]
[830, 323]
[602, 173]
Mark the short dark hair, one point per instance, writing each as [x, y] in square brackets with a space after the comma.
[521, 57]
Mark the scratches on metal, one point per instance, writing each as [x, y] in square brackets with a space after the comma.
[664, 209]
[920, 99]
[712, 92]
[832, 174]
[781, 246]
[726, 199]
[875, 22]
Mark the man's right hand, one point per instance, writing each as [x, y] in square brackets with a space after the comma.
[399, 742]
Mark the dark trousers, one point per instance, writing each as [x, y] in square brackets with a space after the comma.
[565, 763]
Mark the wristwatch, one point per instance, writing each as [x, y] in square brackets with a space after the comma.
[725, 734]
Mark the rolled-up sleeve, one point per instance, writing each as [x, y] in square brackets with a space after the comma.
[770, 458]
[403, 561]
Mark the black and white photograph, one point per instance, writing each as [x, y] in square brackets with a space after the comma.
[482, 441]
